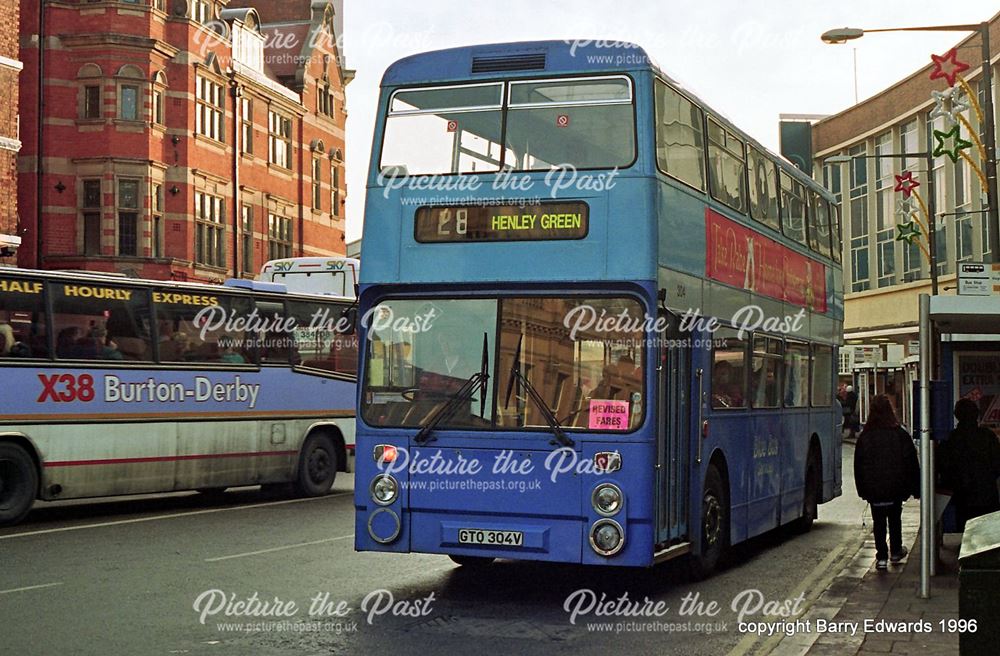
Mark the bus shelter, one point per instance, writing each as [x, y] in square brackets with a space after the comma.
[968, 331]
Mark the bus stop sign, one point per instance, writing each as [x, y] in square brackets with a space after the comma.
[978, 279]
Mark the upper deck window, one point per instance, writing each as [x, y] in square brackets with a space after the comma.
[819, 224]
[793, 208]
[726, 166]
[581, 122]
[587, 124]
[444, 130]
[763, 189]
[680, 139]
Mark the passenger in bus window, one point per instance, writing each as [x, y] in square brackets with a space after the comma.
[88, 347]
[111, 351]
[72, 344]
[726, 391]
[108, 348]
[227, 352]
[630, 372]
[10, 346]
[7, 340]
[66, 341]
[605, 389]
[178, 349]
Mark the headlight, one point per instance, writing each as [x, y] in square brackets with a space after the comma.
[384, 489]
[607, 499]
[607, 537]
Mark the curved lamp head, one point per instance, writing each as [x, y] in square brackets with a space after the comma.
[842, 35]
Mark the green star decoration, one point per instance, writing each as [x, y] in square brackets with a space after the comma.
[959, 143]
[908, 232]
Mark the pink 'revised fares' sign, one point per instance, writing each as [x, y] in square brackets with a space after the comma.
[608, 415]
[738, 256]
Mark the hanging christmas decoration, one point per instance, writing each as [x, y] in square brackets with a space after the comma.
[948, 66]
[906, 183]
[904, 207]
[949, 105]
[957, 143]
[908, 232]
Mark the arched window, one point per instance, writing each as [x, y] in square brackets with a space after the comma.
[90, 101]
[210, 116]
[89, 70]
[202, 11]
[130, 93]
[159, 90]
[324, 91]
[128, 70]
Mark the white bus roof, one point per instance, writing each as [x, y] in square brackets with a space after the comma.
[334, 275]
[97, 277]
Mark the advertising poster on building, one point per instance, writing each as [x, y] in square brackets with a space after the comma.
[978, 377]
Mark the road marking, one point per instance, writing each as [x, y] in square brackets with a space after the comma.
[273, 549]
[171, 516]
[30, 587]
[823, 573]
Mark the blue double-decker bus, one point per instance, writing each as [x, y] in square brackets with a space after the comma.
[599, 323]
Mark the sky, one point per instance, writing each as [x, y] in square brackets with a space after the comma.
[749, 60]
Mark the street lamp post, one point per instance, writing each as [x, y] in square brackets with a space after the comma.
[931, 201]
[846, 34]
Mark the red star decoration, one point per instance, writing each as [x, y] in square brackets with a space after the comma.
[956, 66]
[906, 184]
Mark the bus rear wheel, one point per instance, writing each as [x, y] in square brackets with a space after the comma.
[714, 526]
[810, 502]
[317, 466]
[18, 483]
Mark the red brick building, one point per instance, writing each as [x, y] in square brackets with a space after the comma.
[10, 143]
[184, 140]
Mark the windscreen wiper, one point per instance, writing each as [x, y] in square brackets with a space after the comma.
[477, 380]
[543, 407]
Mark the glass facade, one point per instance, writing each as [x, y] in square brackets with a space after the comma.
[857, 208]
[872, 208]
[885, 219]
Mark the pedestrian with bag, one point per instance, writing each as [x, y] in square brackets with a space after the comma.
[886, 473]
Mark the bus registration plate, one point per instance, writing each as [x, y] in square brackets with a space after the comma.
[502, 538]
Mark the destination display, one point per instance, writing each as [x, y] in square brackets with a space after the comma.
[538, 222]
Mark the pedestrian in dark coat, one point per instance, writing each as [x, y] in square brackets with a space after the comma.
[886, 473]
[971, 465]
[853, 418]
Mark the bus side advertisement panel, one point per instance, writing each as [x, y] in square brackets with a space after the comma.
[738, 256]
[57, 394]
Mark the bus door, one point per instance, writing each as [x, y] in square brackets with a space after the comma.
[674, 381]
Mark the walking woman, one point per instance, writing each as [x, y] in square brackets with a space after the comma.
[886, 473]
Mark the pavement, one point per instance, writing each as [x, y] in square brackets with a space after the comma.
[860, 592]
